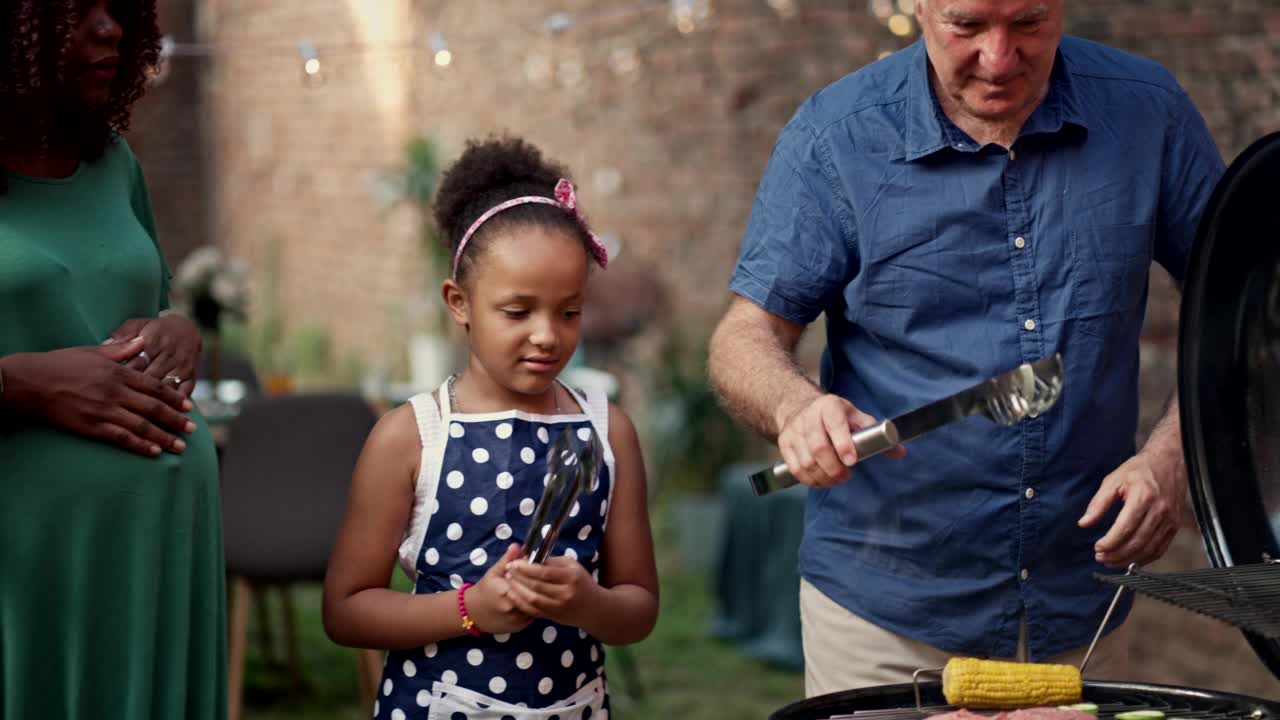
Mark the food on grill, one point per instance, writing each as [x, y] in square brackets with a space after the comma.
[1037, 713]
[1086, 707]
[1140, 715]
[974, 683]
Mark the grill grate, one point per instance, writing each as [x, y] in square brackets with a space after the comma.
[1247, 596]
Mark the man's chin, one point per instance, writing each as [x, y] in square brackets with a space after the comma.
[992, 109]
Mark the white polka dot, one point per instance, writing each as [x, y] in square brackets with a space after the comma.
[549, 635]
[479, 556]
[604, 508]
[479, 506]
[386, 686]
[424, 697]
[546, 529]
[435, 505]
[527, 455]
[456, 581]
[449, 676]
[584, 532]
[546, 480]
[480, 455]
[502, 637]
[584, 434]
[430, 650]
[376, 705]
[453, 479]
[566, 658]
[524, 661]
[397, 714]
[573, 511]
[456, 430]
[410, 669]
[543, 435]
[544, 685]
[503, 430]
[582, 677]
[432, 556]
[595, 653]
[503, 531]
[582, 633]
[526, 506]
[497, 685]
[595, 575]
[596, 557]
[454, 531]
[571, 553]
[505, 480]
[475, 656]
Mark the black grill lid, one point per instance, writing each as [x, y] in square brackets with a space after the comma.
[1229, 369]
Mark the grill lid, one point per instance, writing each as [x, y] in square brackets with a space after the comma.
[1229, 371]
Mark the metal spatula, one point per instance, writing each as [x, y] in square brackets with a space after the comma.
[1025, 391]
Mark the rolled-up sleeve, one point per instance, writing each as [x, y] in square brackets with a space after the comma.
[1192, 167]
[796, 252]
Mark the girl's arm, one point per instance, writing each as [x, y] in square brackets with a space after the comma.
[623, 607]
[359, 609]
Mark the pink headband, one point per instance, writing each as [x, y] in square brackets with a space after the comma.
[566, 199]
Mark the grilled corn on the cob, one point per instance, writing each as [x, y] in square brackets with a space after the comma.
[974, 683]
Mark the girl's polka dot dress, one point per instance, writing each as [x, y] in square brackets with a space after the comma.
[482, 475]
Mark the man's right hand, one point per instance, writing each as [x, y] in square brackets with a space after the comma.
[816, 441]
[87, 391]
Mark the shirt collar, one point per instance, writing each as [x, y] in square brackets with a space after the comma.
[929, 130]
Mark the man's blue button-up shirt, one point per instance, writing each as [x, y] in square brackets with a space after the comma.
[938, 263]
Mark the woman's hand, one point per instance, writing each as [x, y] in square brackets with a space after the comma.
[87, 391]
[489, 602]
[170, 352]
[559, 589]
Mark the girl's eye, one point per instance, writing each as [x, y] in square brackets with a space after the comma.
[515, 314]
[572, 313]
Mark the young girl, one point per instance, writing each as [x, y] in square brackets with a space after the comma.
[448, 482]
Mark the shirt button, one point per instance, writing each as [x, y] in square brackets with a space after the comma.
[1030, 493]
[1024, 574]
[1012, 155]
[1029, 324]
[1019, 242]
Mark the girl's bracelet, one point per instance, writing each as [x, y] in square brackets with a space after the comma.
[467, 623]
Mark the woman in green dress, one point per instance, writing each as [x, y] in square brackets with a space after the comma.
[111, 578]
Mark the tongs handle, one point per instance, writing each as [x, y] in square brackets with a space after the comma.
[869, 442]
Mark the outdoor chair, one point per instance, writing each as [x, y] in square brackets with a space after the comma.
[285, 473]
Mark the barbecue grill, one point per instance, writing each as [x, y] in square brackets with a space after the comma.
[1229, 399]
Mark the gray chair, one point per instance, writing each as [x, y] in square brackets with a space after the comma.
[285, 472]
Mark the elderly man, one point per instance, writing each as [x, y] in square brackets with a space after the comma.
[987, 197]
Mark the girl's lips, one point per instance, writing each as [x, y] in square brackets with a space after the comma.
[538, 365]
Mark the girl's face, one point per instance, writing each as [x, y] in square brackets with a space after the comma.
[523, 303]
[94, 58]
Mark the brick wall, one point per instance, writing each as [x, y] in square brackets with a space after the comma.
[667, 134]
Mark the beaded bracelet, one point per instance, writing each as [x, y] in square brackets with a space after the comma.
[467, 623]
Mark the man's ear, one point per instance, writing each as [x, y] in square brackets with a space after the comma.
[455, 299]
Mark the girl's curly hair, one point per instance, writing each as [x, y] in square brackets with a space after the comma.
[490, 172]
[35, 37]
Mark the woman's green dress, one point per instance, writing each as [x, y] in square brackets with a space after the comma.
[112, 599]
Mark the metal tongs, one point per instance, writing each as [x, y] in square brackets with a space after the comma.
[570, 470]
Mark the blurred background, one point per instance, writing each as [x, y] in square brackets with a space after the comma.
[292, 149]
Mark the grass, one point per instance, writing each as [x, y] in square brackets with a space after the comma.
[683, 672]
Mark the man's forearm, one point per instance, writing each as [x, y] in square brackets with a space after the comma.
[753, 371]
[1164, 446]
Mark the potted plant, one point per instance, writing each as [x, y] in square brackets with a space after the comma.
[209, 289]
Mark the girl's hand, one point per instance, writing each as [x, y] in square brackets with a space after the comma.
[560, 589]
[87, 391]
[171, 349]
[489, 601]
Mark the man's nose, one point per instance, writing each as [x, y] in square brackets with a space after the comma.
[998, 57]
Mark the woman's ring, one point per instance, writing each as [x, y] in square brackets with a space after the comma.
[143, 354]
[173, 379]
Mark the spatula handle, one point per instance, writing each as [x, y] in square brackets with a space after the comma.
[869, 442]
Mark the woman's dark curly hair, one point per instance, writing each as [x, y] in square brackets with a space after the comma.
[490, 172]
[35, 37]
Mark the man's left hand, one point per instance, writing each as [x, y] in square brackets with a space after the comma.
[1155, 507]
[171, 348]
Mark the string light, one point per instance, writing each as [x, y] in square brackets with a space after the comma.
[785, 8]
[440, 49]
[907, 7]
[881, 9]
[310, 64]
[900, 25]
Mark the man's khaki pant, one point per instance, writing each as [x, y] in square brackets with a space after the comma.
[842, 651]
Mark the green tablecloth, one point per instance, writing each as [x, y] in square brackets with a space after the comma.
[755, 580]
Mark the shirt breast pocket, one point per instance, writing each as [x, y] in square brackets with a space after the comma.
[1109, 268]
